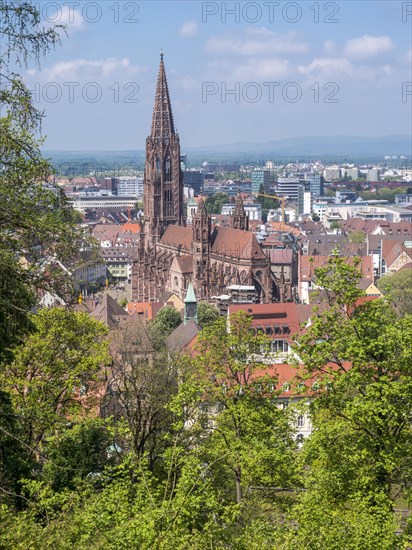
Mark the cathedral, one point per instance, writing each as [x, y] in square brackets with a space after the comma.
[171, 254]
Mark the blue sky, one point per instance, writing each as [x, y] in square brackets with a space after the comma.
[295, 69]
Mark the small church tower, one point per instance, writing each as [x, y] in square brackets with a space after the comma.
[190, 305]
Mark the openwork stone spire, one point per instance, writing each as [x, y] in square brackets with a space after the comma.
[239, 217]
[201, 207]
[162, 120]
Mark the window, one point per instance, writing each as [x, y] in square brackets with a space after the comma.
[285, 387]
[279, 346]
[301, 421]
[168, 169]
[299, 439]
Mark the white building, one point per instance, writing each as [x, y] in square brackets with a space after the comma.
[253, 210]
[129, 186]
[101, 203]
[331, 173]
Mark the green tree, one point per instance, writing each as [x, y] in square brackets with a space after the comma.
[82, 451]
[54, 373]
[358, 456]
[36, 221]
[166, 320]
[398, 288]
[357, 237]
[335, 225]
[15, 462]
[142, 384]
[243, 431]
[207, 314]
[215, 202]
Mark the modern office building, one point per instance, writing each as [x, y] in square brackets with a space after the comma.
[288, 187]
[129, 186]
[353, 173]
[315, 184]
[372, 175]
[194, 179]
[259, 178]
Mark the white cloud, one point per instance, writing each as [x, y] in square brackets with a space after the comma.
[329, 47]
[328, 66]
[262, 69]
[82, 69]
[189, 29]
[68, 16]
[368, 46]
[257, 42]
[188, 83]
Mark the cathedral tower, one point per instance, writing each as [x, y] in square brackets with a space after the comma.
[239, 219]
[163, 183]
[201, 240]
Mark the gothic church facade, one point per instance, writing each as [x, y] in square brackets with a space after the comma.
[172, 254]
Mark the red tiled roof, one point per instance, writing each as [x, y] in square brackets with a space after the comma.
[278, 226]
[185, 263]
[147, 309]
[176, 235]
[269, 315]
[391, 250]
[308, 264]
[133, 227]
[289, 378]
[280, 255]
[237, 244]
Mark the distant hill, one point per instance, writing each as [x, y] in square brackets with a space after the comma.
[326, 148]
[322, 145]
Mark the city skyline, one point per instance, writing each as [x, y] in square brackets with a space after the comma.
[257, 72]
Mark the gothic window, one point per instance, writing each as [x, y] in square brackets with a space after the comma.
[168, 202]
[168, 170]
[157, 164]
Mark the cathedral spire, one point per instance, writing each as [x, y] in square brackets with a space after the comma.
[239, 218]
[162, 120]
[201, 207]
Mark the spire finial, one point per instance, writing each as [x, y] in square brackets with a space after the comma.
[161, 55]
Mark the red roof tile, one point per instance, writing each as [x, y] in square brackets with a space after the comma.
[176, 235]
[237, 244]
